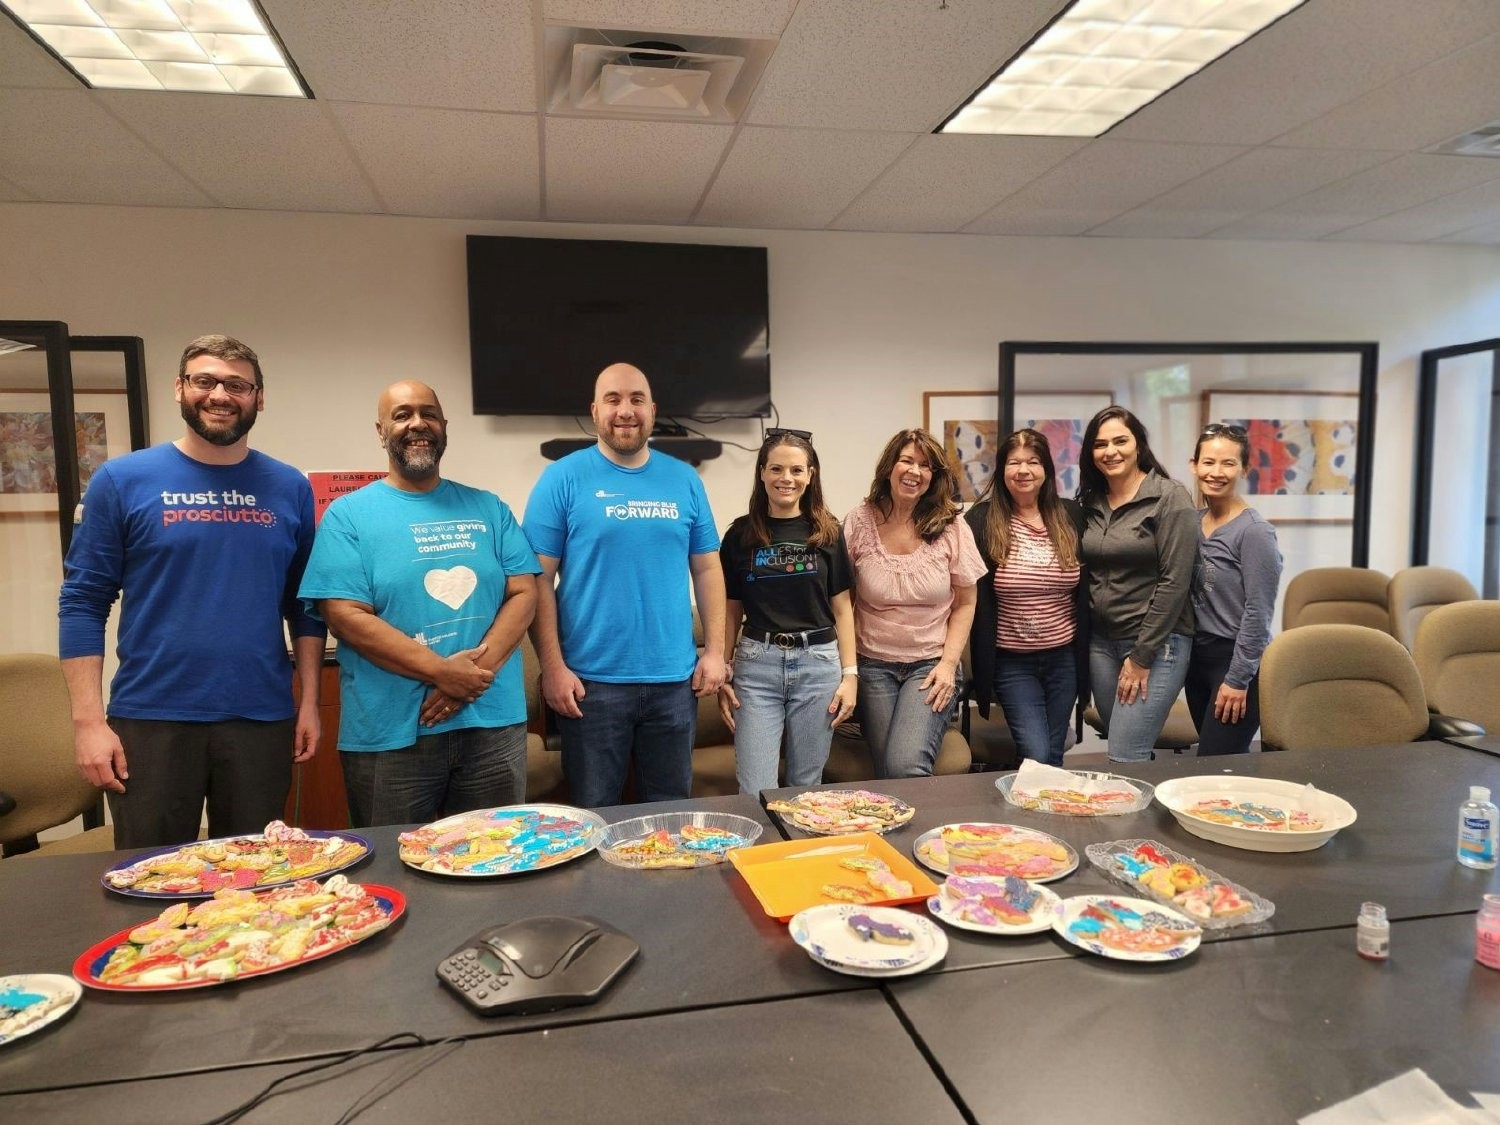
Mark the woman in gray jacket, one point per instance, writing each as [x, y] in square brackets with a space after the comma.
[1140, 543]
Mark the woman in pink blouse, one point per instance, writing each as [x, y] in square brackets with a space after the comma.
[915, 566]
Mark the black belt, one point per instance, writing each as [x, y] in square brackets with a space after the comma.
[805, 639]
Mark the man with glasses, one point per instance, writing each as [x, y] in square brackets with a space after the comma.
[429, 586]
[622, 528]
[206, 539]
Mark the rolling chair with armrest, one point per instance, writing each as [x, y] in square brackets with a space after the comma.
[1341, 685]
[1415, 592]
[37, 763]
[1457, 653]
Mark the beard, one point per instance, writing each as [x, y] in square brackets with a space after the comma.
[625, 445]
[416, 463]
[216, 431]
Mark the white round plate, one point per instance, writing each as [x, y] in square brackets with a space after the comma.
[938, 954]
[1014, 831]
[1181, 793]
[558, 847]
[944, 907]
[825, 933]
[1073, 908]
[21, 995]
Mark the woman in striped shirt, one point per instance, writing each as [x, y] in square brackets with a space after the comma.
[1029, 641]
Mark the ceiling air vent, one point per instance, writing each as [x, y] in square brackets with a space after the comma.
[597, 72]
[1484, 141]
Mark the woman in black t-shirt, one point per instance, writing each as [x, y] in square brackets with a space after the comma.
[787, 576]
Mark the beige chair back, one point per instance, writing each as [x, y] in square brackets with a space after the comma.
[1418, 590]
[1339, 685]
[1457, 652]
[37, 767]
[1337, 595]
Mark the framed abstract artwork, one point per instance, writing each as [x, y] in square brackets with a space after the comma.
[967, 424]
[1303, 451]
[28, 474]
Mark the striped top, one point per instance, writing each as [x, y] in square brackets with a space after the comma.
[1034, 607]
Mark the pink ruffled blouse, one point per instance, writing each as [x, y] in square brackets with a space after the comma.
[902, 602]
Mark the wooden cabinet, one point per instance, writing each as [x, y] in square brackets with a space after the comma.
[317, 797]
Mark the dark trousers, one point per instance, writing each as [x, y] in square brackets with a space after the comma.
[1206, 671]
[241, 767]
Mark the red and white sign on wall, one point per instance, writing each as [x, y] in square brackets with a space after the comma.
[328, 487]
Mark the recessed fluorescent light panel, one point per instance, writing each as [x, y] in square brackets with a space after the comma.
[1101, 60]
[207, 46]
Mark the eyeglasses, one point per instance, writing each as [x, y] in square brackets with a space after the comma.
[778, 432]
[205, 383]
[1217, 429]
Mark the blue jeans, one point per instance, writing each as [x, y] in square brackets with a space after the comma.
[438, 775]
[783, 690]
[901, 729]
[1134, 728]
[654, 721]
[1037, 690]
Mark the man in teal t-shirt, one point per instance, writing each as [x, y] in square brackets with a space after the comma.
[429, 586]
[622, 529]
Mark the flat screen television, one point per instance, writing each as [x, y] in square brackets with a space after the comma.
[546, 315]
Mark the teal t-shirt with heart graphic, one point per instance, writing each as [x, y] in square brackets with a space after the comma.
[433, 565]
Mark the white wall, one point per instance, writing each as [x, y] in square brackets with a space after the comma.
[861, 324]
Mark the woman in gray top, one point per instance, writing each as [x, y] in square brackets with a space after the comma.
[1140, 543]
[1233, 592]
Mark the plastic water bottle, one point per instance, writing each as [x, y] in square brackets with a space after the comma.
[1476, 829]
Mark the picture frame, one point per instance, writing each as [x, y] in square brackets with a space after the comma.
[1304, 450]
[1061, 417]
[27, 469]
[967, 425]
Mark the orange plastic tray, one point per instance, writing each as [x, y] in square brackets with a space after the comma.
[789, 877]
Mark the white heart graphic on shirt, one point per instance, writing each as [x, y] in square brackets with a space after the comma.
[451, 587]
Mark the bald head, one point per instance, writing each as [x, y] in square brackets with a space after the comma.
[414, 433]
[623, 378]
[409, 391]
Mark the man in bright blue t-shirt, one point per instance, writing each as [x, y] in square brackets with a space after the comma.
[429, 586]
[622, 529]
[206, 539]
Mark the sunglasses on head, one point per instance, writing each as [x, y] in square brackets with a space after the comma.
[1223, 429]
[779, 432]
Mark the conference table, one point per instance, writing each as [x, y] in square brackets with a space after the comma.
[723, 1018]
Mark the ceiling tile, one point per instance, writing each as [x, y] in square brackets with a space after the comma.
[795, 178]
[1489, 234]
[1451, 214]
[264, 153]
[1395, 185]
[462, 54]
[1318, 57]
[1432, 105]
[24, 62]
[943, 181]
[1258, 180]
[446, 162]
[891, 66]
[628, 171]
[63, 147]
[1097, 183]
[762, 18]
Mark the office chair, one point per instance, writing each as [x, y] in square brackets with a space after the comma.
[1327, 595]
[1415, 592]
[1457, 653]
[1339, 685]
[37, 767]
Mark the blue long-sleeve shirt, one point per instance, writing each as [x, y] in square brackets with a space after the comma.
[1234, 590]
[208, 559]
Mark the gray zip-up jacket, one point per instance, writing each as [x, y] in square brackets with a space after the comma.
[1140, 560]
